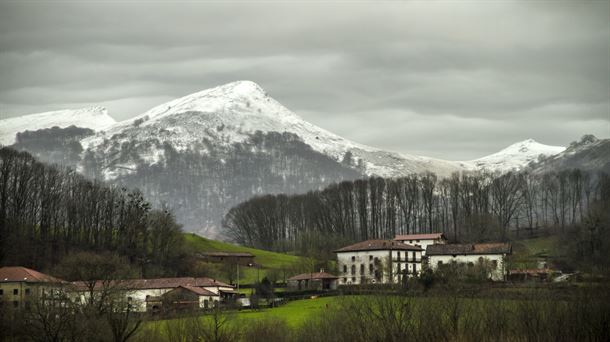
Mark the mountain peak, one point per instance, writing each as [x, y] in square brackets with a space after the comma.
[95, 117]
[516, 155]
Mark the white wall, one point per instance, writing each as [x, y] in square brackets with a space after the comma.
[497, 274]
[138, 297]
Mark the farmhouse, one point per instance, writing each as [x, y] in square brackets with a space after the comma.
[244, 259]
[182, 298]
[422, 240]
[493, 254]
[377, 262]
[147, 293]
[313, 281]
[20, 285]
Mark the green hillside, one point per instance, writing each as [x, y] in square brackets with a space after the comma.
[527, 252]
[268, 261]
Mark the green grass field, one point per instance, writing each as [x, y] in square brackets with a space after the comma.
[294, 313]
[526, 252]
[267, 260]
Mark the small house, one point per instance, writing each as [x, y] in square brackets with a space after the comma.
[313, 281]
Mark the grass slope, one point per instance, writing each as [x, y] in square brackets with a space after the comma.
[267, 260]
[527, 252]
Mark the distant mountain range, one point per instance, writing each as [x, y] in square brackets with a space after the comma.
[205, 152]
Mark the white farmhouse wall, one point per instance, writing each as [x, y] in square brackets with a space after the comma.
[497, 274]
[366, 258]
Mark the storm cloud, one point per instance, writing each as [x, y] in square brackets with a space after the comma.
[444, 79]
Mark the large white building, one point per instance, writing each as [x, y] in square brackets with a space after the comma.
[492, 254]
[377, 262]
[422, 240]
[138, 292]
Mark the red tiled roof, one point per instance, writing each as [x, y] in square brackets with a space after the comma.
[198, 290]
[469, 248]
[313, 276]
[158, 283]
[23, 274]
[432, 236]
[374, 245]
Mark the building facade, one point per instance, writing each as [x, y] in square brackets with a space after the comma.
[422, 240]
[19, 286]
[377, 262]
[493, 255]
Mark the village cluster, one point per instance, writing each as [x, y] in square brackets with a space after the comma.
[366, 262]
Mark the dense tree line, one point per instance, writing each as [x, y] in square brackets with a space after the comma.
[47, 212]
[466, 206]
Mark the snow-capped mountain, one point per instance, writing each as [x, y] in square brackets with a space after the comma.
[588, 154]
[515, 156]
[95, 118]
[231, 113]
[206, 152]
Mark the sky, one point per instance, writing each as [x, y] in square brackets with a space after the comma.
[446, 79]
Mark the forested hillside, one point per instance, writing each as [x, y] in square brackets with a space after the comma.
[47, 212]
[467, 207]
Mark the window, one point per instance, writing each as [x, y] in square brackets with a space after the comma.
[344, 268]
[370, 257]
[353, 279]
[15, 291]
[416, 240]
[480, 260]
[371, 269]
[361, 269]
[414, 268]
[353, 269]
[345, 280]
[470, 265]
[15, 303]
[494, 264]
[413, 255]
[1, 292]
[353, 258]
[129, 299]
[440, 262]
[27, 292]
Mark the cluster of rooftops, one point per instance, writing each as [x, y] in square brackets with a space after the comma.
[409, 243]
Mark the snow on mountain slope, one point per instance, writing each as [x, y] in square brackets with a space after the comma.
[515, 156]
[232, 112]
[95, 118]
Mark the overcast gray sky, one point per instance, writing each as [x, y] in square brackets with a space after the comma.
[454, 80]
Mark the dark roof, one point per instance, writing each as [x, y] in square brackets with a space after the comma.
[313, 276]
[374, 245]
[198, 290]
[432, 236]
[23, 274]
[227, 254]
[469, 248]
[159, 283]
